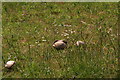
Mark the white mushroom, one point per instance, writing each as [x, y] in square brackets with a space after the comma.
[60, 44]
[78, 43]
[9, 64]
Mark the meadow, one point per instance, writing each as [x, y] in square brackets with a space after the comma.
[29, 29]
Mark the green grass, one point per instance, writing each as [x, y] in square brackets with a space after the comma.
[29, 29]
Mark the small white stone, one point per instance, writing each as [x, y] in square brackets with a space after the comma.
[9, 64]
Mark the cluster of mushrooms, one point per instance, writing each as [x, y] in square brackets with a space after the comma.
[61, 44]
[58, 44]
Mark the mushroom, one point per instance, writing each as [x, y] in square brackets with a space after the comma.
[78, 43]
[60, 44]
[9, 64]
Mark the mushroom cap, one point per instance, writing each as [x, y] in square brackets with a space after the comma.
[79, 43]
[9, 64]
[60, 41]
[60, 44]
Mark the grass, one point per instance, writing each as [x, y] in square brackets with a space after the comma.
[29, 29]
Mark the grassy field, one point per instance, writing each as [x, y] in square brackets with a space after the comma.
[29, 29]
